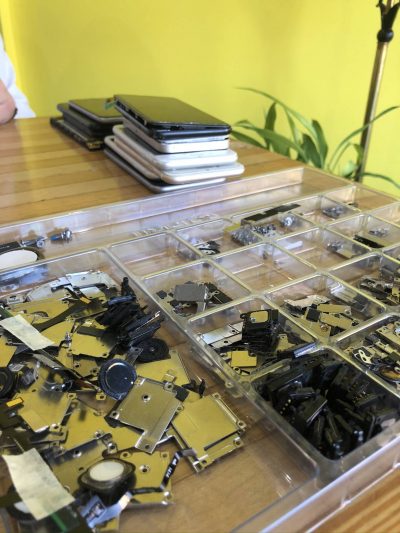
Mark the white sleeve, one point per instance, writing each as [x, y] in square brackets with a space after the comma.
[7, 76]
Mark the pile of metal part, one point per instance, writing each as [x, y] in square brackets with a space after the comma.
[261, 339]
[270, 223]
[333, 211]
[324, 316]
[374, 238]
[189, 298]
[333, 405]
[95, 411]
[380, 352]
[344, 249]
[385, 286]
[207, 247]
[30, 249]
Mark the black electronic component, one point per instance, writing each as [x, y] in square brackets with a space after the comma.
[275, 382]
[7, 382]
[116, 378]
[313, 314]
[217, 296]
[308, 412]
[302, 393]
[126, 289]
[152, 350]
[162, 294]
[262, 328]
[329, 402]
[372, 243]
[269, 213]
[318, 432]
[110, 479]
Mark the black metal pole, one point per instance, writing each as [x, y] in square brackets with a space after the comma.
[385, 35]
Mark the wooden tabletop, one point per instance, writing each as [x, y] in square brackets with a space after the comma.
[43, 172]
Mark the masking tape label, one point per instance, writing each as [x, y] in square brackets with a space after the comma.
[38, 487]
[25, 332]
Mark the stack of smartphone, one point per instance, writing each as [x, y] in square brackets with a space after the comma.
[167, 144]
[88, 121]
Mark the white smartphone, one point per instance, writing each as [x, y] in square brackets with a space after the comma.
[172, 161]
[176, 176]
[182, 145]
[156, 186]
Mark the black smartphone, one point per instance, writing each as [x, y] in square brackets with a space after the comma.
[88, 142]
[98, 109]
[164, 116]
[83, 123]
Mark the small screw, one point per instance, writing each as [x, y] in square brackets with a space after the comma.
[65, 235]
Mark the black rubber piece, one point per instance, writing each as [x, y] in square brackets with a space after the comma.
[153, 350]
[7, 382]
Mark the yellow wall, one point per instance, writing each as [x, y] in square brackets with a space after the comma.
[316, 55]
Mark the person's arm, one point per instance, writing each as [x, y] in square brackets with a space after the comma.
[12, 101]
[7, 104]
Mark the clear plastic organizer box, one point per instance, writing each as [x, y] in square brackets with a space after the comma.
[280, 479]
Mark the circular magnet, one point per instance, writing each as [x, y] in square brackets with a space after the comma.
[7, 382]
[152, 350]
[15, 258]
[109, 478]
[389, 373]
[116, 378]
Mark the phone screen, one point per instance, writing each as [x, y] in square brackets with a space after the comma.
[96, 106]
[159, 110]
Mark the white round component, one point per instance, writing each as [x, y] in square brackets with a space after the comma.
[15, 258]
[106, 471]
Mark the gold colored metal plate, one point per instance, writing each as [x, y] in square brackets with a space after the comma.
[149, 406]
[85, 366]
[89, 346]
[203, 425]
[283, 343]
[57, 332]
[157, 369]
[47, 308]
[6, 351]
[336, 321]
[259, 316]
[43, 408]
[334, 308]
[69, 467]
[85, 425]
[149, 472]
[323, 330]
[242, 359]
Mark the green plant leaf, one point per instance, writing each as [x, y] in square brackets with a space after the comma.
[360, 152]
[305, 122]
[274, 137]
[311, 151]
[269, 123]
[345, 143]
[321, 142]
[246, 138]
[382, 177]
[296, 134]
[349, 169]
[242, 122]
[270, 118]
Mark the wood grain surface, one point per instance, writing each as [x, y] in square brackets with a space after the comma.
[44, 172]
